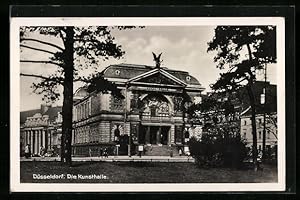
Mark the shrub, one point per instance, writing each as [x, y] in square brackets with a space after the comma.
[216, 151]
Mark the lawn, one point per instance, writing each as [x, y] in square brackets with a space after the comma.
[142, 172]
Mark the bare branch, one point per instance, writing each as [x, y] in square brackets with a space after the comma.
[40, 61]
[61, 35]
[273, 132]
[54, 79]
[237, 82]
[232, 68]
[37, 49]
[43, 42]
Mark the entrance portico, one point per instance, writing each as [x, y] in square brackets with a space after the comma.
[151, 134]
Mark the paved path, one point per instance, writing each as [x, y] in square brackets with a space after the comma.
[118, 159]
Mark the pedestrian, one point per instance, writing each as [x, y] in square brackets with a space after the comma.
[90, 152]
[180, 152]
[101, 152]
[41, 151]
[27, 151]
[105, 153]
[188, 154]
[171, 153]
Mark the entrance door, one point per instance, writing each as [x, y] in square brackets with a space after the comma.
[164, 134]
[142, 135]
[153, 134]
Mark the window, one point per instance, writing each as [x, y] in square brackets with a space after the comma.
[259, 135]
[245, 135]
[259, 121]
[117, 104]
[153, 111]
[268, 135]
[187, 134]
[90, 106]
[245, 122]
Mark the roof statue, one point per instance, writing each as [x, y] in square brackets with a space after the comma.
[157, 60]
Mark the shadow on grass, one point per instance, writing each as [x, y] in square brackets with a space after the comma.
[136, 164]
[87, 163]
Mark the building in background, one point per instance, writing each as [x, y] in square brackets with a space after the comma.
[41, 128]
[238, 122]
[271, 129]
[152, 114]
[270, 109]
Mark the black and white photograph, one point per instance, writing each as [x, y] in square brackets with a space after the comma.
[148, 104]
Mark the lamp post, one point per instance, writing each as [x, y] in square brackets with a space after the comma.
[125, 120]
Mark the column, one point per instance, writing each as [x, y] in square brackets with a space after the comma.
[28, 137]
[147, 137]
[25, 138]
[45, 137]
[50, 140]
[172, 134]
[41, 143]
[31, 142]
[36, 140]
[158, 138]
[169, 136]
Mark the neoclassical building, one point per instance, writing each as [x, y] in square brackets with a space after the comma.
[153, 112]
[41, 127]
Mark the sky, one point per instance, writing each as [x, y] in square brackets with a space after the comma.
[183, 48]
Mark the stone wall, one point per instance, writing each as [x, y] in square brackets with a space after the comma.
[96, 104]
[104, 131]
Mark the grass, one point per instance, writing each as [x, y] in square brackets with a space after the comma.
[145, 172]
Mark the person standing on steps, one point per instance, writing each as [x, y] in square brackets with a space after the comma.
[105, 153]
[180, 152]
[90, 152]
[27, 151]
[101, 152]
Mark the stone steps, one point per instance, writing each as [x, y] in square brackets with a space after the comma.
[163, 150]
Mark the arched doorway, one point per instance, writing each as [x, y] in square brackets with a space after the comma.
[155, 114]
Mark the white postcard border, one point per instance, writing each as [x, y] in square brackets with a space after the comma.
[16, 22]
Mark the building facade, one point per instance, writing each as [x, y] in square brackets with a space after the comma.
[41, 128]
[238, 122]
[271, 130]
[152, 113]
[266, 109]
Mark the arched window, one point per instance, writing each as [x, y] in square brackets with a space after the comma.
[156, 105]
[187, 134]
[117, 132]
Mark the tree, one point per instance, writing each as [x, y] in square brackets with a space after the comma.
[83, 47]
[271, 120]
[243, 50]
[217, 115]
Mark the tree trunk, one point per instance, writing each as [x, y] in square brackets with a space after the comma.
[68, 97]
[253, 111]
[253, 123]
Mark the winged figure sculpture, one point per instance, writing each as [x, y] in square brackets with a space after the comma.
[157, 60]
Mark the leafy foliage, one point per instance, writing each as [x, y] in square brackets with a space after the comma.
[243, 50]
[215, 110]
[233, 44]
[91, 45]
[216, 151]
[83, 48]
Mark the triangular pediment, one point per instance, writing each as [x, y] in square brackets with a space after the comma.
[159, 79]
[157, 76]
